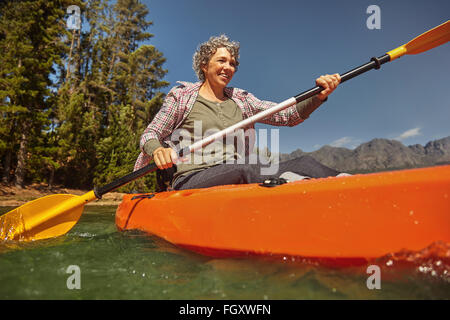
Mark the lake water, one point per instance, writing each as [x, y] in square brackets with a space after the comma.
[133, 265]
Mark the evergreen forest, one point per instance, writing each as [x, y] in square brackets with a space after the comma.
[78, 86]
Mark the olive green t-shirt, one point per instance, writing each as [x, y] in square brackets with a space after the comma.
[206, 118]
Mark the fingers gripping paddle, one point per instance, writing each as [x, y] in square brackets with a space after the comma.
[55, 215]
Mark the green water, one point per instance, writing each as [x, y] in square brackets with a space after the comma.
[132, 265]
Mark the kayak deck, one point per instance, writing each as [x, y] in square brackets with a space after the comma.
[359, 216]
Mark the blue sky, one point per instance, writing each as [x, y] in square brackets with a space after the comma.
[287, 44]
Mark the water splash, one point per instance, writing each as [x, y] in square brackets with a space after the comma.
[11, 225]
[432, 261]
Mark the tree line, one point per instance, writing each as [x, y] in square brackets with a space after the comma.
[73, 103]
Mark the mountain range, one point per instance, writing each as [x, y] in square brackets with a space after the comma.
[379, 155]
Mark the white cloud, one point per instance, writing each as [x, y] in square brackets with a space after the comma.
[341, 142]
[408, 134]
[346, 142]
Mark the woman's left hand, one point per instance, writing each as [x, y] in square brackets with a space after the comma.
[329, 83]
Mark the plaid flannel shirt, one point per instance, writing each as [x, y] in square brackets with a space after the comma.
[179, 102]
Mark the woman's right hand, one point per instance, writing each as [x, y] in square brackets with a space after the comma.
[164, 157]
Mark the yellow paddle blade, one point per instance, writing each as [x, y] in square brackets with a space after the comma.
[426, 41]
[43, 218]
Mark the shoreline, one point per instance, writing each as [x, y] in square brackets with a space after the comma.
[11, 196]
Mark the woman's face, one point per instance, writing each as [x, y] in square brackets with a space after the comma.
[220, 69]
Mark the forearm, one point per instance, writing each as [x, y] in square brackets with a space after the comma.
[288, 117]
[306, 107]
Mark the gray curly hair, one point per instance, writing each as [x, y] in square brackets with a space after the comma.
[207, 49]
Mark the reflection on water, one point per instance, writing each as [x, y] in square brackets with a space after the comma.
[132, 265]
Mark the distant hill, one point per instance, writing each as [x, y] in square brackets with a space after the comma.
[380, 155]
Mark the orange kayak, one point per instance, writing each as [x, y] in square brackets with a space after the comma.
[359, 216]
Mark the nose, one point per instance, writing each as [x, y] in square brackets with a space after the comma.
[229, 66]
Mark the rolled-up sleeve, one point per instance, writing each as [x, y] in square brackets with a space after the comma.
[161, 126]
[164, 121]
[290, 116]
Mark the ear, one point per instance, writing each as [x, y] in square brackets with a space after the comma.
[204, 68]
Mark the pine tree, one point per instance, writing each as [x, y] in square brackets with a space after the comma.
[142, 76]
[104, 109]
[74, 104]
[28, 53]
[136, 81]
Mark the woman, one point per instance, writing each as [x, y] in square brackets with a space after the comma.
[193, 110]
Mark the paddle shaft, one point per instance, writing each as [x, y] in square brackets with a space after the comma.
[374, 63]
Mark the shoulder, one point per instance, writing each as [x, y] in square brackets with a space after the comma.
[185, 88]
[237, 93]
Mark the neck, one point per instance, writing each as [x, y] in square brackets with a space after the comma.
[213, 93]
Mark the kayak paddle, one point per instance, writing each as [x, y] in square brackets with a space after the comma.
[55, 215]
